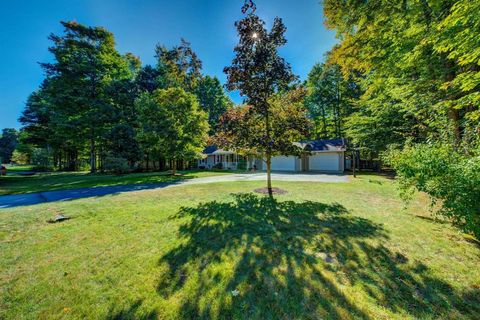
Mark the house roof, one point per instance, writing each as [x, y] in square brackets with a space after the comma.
[333, 145]
[212, 150]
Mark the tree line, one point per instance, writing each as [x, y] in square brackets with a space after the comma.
[100, 105]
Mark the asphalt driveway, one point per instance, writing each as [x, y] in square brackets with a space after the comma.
[10, 201]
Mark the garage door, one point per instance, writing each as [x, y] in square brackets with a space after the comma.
[283, 163]
[324, 162]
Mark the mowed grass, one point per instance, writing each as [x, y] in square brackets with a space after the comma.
[217, 251]
[18, 184]
[18, 168]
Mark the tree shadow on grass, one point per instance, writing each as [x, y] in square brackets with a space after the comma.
[134, 311]
[261, 258]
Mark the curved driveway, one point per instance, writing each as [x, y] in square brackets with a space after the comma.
[10, 201]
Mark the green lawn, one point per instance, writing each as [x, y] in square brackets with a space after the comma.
[18, 168]
[216, 251]
[17, 184]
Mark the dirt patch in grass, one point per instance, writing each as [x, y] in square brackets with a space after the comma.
[274, 191]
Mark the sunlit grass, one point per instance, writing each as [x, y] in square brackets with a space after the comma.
[216, 251]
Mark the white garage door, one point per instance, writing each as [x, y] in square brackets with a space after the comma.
[283, 163]
[324, 162]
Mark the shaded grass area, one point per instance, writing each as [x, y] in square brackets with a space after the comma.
[218, 251]
[17, 184]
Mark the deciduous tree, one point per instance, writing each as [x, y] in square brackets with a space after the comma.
[258, 72]
[243, 129]
[174, 122]
[212, 99]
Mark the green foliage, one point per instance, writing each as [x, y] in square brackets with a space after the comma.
[8, 142]
[173, 122]
[218, 166]
[80, 84]
[451, 179]
[146, 80]
[178, 67]
[418, 64]
[40, 158]
[19, 157]
[122, 143]
[212, 99]
[85, 108]
[328, 100]
[117, 165]
[258, 72]
[243, 130]
[417, 59]
[242, 164]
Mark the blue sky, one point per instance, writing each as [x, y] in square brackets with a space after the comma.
[138, 26]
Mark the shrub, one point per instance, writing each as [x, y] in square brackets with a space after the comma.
[218, 166]
[242, 165]
[116, 165]
[450, 178]
[19, 157]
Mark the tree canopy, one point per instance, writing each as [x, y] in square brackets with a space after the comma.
[418, 67]
[86, 107]
[8, 142]
[174, 122]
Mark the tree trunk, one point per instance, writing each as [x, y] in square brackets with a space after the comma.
[269, 153]
[353, 164]
[174, 166]
[455, 117]
[269, 175]
[147, 161]
[93, 160]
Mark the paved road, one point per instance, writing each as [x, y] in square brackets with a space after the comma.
[10, 201]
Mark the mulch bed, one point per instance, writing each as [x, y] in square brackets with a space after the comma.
[274, 190]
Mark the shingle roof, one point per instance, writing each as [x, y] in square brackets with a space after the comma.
[313, 145]
[322, 145]
[210, 149]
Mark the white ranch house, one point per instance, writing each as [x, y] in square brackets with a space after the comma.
[319, 156]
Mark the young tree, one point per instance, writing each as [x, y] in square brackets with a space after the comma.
[243, 129]
[174, 122]
[258, 72]
[212, 99]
